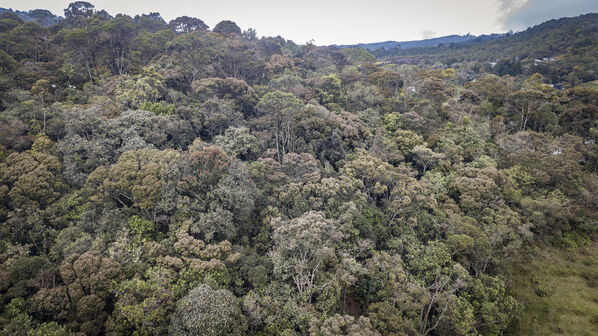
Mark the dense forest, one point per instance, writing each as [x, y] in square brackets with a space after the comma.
[562, 50]
[167, 179]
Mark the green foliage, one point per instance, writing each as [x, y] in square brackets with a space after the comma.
[166, 179]
[569, 301]
[158, 107]
[141, 228]
[237, 142]
[209, 312]
[301, 247]
[227, 27]
[357, 55]
[329, 90]
[145, 88]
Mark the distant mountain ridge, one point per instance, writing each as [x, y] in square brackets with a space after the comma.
[42, 16]
[432, 42]
[571, 37]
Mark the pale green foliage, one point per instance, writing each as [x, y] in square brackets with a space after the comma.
[141, 228]
[360, 96]
[346, 325]
[329, 92]
[143, 303]
[158, 107]
[20, 323]
[277, 110]
[137, 179]
[33, 177]
[237, 142]
[425, 157]
[301, 247]
[145, 87]
[215, 224]
[358, 55]
[205, 311]
[213, 183]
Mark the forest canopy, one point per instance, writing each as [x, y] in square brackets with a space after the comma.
[162, 178]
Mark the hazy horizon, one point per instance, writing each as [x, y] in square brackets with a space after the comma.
[335, 22]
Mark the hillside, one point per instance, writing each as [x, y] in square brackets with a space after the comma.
[171, 178]
[391, 46]
[569, 41]
[557, 289]
[413, 44]
[547, 39]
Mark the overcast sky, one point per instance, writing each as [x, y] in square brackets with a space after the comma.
[347, 21]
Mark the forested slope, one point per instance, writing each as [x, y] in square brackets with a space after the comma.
[164, 178]
[563, 50]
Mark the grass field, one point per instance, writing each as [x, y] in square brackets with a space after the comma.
[559, 293]
[592, 85]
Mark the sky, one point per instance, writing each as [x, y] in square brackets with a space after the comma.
[347, 21]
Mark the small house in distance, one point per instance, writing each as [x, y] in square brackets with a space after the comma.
[544, 60]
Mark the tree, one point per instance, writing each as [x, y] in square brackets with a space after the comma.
[148, 44]
[144, 304]
[277, 64]
[277, 110]
[329, 91]
[19, 322]
[121, 30]
[205, 311]
[340, 60]
[527, 104]
[137, 180]
[301, 246]
[218, 116]
[507, 67]
[79, 10]
[239, 60]
[493, 308]
[391, 295]
[87, 279]
[33, 177]
[44, 17]
[148, 86]
[389, 82]
[358, 55]
[361, 97]
[191, 56]
[41, 89]
[31, 183]
[32, 40]
[235, 90]
[425, 157]
[346, 325]
[78, 39]
[238, 142]
[186, 24]
[227, 27]
[442, 280]
[151, 22]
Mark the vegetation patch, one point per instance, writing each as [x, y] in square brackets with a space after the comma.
[558, 291]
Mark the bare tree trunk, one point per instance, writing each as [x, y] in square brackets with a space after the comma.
[277, 148]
